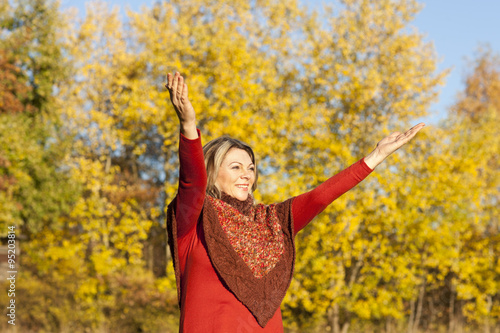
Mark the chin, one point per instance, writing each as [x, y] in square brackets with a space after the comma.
[242, 197]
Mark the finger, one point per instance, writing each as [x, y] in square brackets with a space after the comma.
[185, 92]
[180, 86]
[414, 130]
[417, 127]
[408, 135]
[174, 85]
[169, 81]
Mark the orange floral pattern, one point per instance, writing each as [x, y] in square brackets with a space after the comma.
[257, 237]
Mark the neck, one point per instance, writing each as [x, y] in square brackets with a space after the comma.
[244, 207]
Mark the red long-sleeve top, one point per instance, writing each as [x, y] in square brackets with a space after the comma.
[206, 304]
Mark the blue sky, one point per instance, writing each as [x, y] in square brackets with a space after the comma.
[456, 28]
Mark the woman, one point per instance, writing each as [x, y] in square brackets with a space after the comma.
[234, 259]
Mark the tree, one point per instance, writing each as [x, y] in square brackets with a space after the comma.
[310, 93]
[368, 75]
[100, 250]
[35, 191]
[481, 87]
[309, 98]
[13, 91]
[475, 144]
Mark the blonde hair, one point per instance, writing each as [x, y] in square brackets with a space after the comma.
[215, 151]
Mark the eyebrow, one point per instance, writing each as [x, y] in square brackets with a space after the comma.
[240, 163]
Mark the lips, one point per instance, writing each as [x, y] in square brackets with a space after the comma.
[242, 186]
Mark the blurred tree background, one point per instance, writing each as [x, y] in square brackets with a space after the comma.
[88, 160]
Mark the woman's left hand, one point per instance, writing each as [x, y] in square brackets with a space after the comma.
[390, 144]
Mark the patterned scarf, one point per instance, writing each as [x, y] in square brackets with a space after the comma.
[251, 248]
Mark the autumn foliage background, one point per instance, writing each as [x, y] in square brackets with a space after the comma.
[88, 160]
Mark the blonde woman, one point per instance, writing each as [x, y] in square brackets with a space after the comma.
[234, 259]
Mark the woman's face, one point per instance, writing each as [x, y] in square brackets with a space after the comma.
[236, 174]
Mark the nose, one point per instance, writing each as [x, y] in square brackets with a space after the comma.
[246, 174]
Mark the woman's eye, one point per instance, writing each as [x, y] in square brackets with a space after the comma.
[235, 167]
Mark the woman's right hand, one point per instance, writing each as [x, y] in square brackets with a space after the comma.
[185, 112]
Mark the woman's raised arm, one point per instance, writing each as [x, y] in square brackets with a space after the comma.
[306, 206]
[178, 90]
[192, 173]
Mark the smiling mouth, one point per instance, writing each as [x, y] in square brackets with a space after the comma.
[243, 187]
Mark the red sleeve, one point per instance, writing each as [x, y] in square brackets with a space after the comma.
[306, 206]
[192, 184]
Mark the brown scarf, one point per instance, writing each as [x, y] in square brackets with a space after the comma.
[251, 248]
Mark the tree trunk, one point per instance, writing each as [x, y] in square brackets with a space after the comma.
[333, 314]
[432, 310]
[489, 301]
[412, 316]
[345, 327]
[418, 315]
[459, 317]
[451, 324]
[387, 326]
